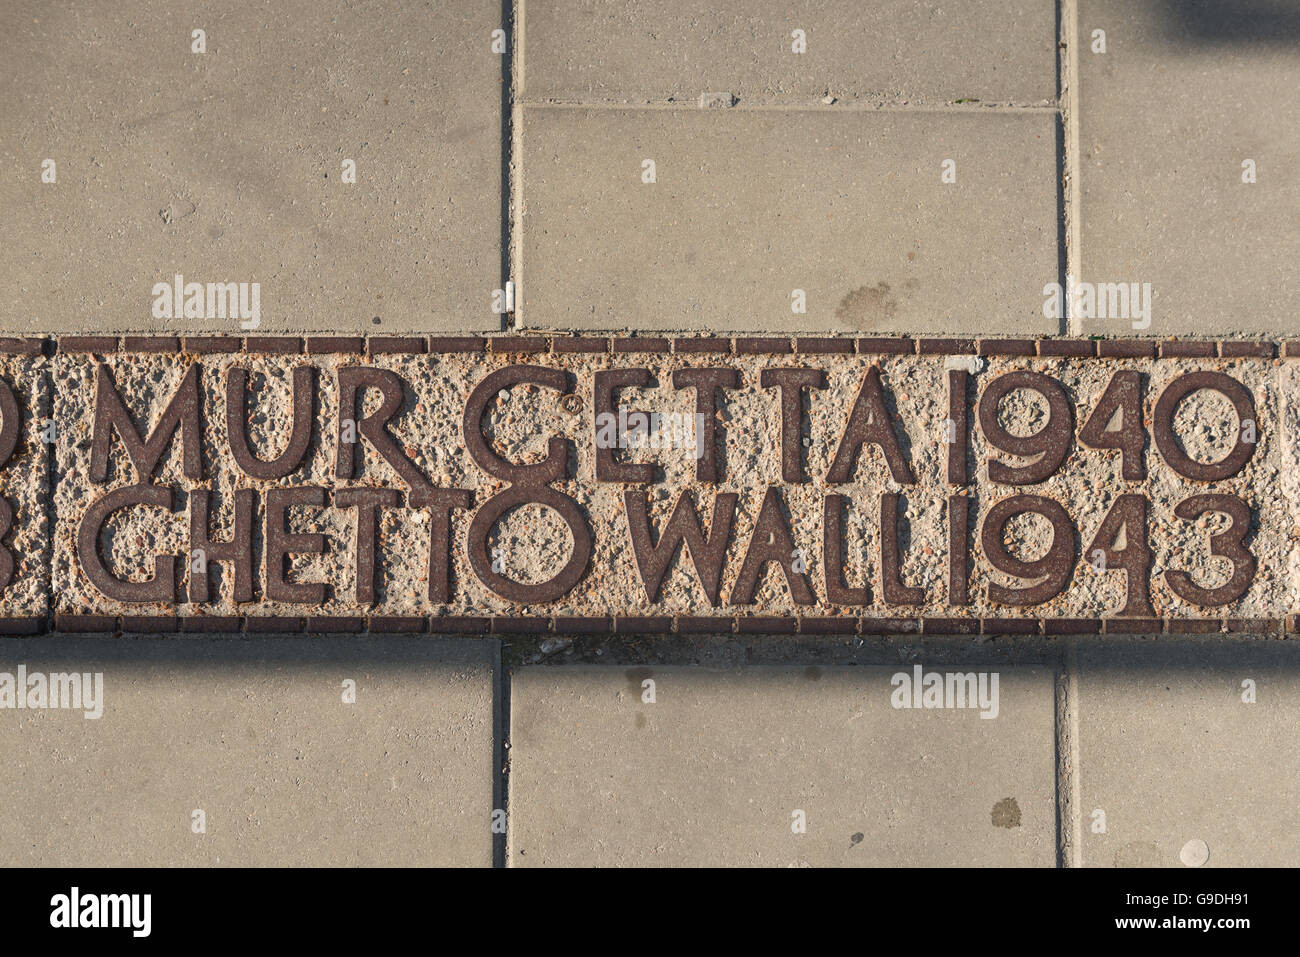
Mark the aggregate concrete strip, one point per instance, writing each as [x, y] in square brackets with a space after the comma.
[717, 769]
[894, 51]
[25, 489]
[749, 206]
[1187, 753]
[534, 543]
[1185, 94]
[1289, 470]
[256, 735]
[227, 165]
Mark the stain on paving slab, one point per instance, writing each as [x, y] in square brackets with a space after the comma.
[1006, 813]
[262, 752]
[868, 307]
[746, 767]
[457, 484]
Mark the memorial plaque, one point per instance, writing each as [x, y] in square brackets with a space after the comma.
[716, 485]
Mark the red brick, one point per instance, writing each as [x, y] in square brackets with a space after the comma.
[760, 347]
[821, 346]
[1006, 347]
[1072, 348]
[456, 344]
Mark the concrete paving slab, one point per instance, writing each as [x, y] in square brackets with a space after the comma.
[255, 735]
[1186, 746]
[754, 215]
[228, 165]
[1183, 97]
[894, 50]
[725, 766]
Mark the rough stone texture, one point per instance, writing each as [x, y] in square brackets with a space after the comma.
[25, 486]
[890, 51]
[535, 544]
[748, 206]
[1289, 469]
[711, 773]
[225, 165]
[1172, 754]
[1183, 95]
[255, 734]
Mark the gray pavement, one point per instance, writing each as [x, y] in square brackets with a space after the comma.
[884, 51]
[1186, 753]
[773, 766]
[245, 753]
[228, 165]
[786, 220]
[1187, 101]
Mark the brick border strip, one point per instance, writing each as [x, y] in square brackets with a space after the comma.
[73, 624]
[1047, 348]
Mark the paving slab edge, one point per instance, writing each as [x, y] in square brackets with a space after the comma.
[68, 624]
[1052, 347]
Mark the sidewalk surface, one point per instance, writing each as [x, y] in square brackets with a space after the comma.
[676, 186]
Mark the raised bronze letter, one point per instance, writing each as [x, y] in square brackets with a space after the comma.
[237, 424]
[353, 379]
[837, 591]
[367, 502]
[280, 542]
[1051, 443]
[1230, 545]
[1054, 567]
[958, 550]
[792, 382]
[770, 542]
[1129, 513]
[1123, 395]
[485, 520]
[10, 419]
[956, 432]
[707, 552]
[551, 469]
[238, 551]
[6, 556]
[160, 588]
[182, 412]
[607, 382]
[440, 504]
[869, 421]
[891, 558]
[1167, 442]
[706, 382]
